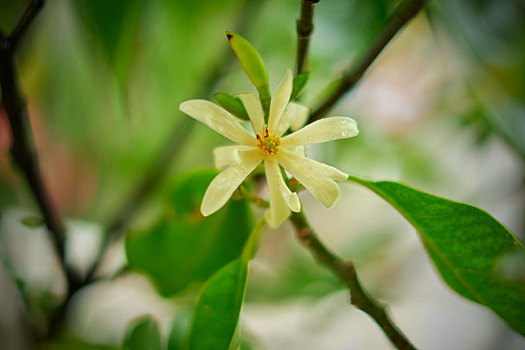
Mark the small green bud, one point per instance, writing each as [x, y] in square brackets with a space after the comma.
[251, 61]
[253, 65]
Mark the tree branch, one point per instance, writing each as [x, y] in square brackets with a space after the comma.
[404, 13]
[22, 148]
[25, 21]
[346, 272]
[304, 30]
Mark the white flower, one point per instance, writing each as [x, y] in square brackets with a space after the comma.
[269, 146]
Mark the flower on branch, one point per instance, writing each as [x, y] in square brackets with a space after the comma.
[271, 147]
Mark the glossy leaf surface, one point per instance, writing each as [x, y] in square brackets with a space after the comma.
[465, 244]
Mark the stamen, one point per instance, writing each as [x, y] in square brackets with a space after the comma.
[268, 143]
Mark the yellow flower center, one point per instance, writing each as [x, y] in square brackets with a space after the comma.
[268, 143]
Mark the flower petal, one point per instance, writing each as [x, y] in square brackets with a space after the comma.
[230, 155]
[218, 119]
[299, 150]
[279, 208]
[280, 99]
[274, 172]
[255, 111]
[323, 188]
[323, 130]
[313, 166]
[294, 116]
[225, 183]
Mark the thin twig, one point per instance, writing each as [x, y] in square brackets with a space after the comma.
[304, 29]
[345, 270]
[25, 21]
[404, 13]
[22, 148]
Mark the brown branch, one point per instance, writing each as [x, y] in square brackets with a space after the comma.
[22, 148]
[404, 13]
[304, 29]
[346, 272]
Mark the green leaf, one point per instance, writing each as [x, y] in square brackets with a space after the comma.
[188, 247]
[233, 105]
[253, 65]
[142, 333]
[217, 312]
[33, 221]
[216, 315]
[299, 82]
[465, 243]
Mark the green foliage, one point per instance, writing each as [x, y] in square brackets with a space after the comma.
[465, 244]
[189, 247]
[113, 25]
[217, 313]
[142, 334]
[299, 82]
[233, 105]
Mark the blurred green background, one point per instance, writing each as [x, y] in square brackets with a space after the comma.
[443, 109]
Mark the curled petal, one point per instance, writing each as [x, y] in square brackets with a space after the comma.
[255, 111]
[274, 173]
[218, 119]
[281, 198]
[313, 166]
[280, 99]
[294, 116]
[323, 188]
[231, 155]
[224, 184]
[323, 130]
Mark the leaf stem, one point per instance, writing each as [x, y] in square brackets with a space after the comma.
[304, 28]
[346, 272]
[404, 13]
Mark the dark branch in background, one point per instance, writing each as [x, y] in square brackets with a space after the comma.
[25, 21]
[22, 148]
[346, 272]
[304, 30]
[404, 13]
